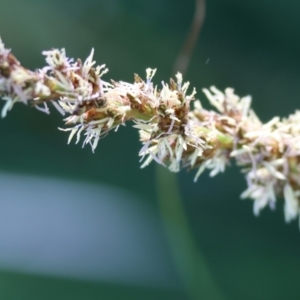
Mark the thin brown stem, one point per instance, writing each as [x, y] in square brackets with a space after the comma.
[185, 54]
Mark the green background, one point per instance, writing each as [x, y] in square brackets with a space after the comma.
[252, 46]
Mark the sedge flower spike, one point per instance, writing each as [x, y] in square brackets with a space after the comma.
[172, 133]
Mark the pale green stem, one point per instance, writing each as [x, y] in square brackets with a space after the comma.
[189, 260]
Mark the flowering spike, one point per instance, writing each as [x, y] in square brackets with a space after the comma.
[172, 133]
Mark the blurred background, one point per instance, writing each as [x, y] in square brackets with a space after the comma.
[78, 225]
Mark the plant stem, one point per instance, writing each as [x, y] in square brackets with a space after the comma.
[189, 260]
